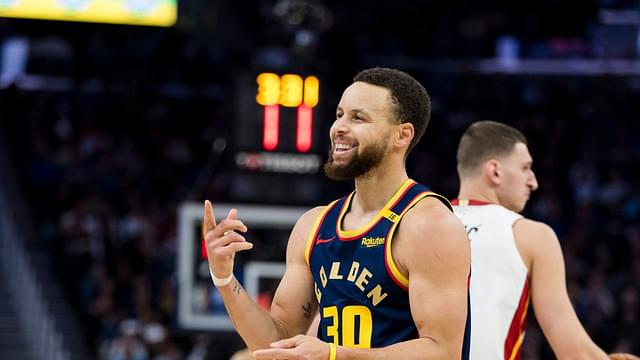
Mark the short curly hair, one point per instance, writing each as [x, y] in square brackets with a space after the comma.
[410, 99]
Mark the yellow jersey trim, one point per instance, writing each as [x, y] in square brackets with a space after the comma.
[518, 344]
[384, 212]
[390, 261]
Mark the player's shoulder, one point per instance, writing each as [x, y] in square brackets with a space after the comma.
[534, 239]
[525, 226]
[430, 210]
[430, 231]
[315, 211]
[303, 227]
[309, 217]
[430, 216]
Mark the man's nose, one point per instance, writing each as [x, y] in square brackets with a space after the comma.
[533, 182]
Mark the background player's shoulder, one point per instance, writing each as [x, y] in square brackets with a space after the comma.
[526, 226]
[534, 239]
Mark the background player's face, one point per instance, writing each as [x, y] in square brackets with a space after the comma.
[518, 178]
[361, 132]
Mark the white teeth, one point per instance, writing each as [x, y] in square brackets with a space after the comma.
[343, 147]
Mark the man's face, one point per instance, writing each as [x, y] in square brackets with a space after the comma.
[360, 134]
[518, 179]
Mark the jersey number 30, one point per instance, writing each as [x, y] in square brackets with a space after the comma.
[346, 325]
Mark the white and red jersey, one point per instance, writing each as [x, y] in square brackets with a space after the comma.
[499, 280]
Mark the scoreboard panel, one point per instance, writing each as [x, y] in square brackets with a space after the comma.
[279, 138]
[278, 113]
[132, 12]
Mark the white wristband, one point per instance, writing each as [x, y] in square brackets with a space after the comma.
[218, 282]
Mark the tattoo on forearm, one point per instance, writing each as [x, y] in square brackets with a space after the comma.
[237, 287]
[307, 310]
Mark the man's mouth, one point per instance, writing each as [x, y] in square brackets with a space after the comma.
[340, 148]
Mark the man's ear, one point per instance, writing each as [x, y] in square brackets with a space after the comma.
[492, 171]
[404, 135]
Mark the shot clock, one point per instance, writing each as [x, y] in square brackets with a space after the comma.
[278, 127]
[291, 91]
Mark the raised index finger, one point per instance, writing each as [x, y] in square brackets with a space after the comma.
[209, 222]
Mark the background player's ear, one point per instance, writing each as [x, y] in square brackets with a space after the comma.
[491, 170]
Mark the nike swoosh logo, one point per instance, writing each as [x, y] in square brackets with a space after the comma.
[324, 241]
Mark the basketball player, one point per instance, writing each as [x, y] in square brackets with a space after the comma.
[515, 259]
[386, 266]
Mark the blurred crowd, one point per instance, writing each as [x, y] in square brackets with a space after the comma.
[104, 180]
[104, 168]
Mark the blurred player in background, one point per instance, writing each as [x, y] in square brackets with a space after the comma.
[386, 266]
[514, 259]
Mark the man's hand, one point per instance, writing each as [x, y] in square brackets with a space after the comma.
[299, 347]
[223, 240]
[621, 356]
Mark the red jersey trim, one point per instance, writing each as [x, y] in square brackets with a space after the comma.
[515, 336]
[468, 202]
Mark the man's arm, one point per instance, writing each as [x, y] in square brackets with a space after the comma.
[432, 250]
[294, 303]
[551, 303]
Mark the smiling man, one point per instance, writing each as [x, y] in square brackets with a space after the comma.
[386, 266]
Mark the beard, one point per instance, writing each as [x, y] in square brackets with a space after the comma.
[359, 165]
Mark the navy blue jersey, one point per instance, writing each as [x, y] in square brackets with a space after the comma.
[363, 297]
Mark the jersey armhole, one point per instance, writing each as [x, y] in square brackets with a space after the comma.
[390, 264]
[518, 249]
[313, 233]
